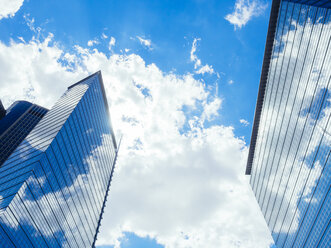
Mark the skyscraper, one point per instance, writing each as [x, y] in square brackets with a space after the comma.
[289, 155]
[15, 124]
[53, 187]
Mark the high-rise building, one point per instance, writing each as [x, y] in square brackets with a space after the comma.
[54, 185]
[15, 124]
[289, 155]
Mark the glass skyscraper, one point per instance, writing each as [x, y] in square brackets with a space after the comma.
[15, 124]
[289, 155]
[54, 185]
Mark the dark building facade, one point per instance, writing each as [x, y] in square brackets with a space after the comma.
[289, 155]
[15, 124]
[2, 111]
[53, 187]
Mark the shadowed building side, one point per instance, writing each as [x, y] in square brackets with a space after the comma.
[2, 111]
[16, 123]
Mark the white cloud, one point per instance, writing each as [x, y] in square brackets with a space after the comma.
[244, 11]
[194, 58]
[176, 180]
[112, 42]
[145, 42]
[37, 62]
[104, 36]
[93, 42]
[211, 109]
[205, 69]
[244, 122]
[30, 22]
[230, 81]
[197, 62]
[21, 39]
[9, 8]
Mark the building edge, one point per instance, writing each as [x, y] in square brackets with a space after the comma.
[104, 98]
[115, 145]
[263, 81]
[106, 196]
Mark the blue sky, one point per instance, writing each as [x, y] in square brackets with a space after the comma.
[236, 55]
[206, 58]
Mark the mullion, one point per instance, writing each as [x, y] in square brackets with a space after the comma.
[273, 113]
[310, 172]
[260, 136]
[322, 204]
[76, 125]
[65, 181]
[268, 98]
[77, 178]
[274, 179]
[102, 176]
[284, 117]
[87, 143]
[296, 184]
[75, 149]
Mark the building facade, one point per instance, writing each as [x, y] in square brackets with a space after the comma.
[53, 187]
[289, 156]
[15, 124]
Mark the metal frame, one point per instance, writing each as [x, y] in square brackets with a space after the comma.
[263, 81]
[98, 73]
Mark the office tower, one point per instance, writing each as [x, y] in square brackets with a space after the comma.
[15, 124]
[289, 155]
[53, 187]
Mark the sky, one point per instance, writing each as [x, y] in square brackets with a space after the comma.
[181, 79]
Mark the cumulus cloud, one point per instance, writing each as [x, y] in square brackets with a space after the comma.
[244, 11]
[40, 71]
[197, 62]
[211, 109]
[176, 180]
[244, 122]
[145, 42]
[9, 8]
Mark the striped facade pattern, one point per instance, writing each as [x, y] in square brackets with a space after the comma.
[19, 130]
[290, 164]
[53, 186]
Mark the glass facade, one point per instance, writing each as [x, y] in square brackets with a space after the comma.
[289, 158]
[17, 122]
[54, 186]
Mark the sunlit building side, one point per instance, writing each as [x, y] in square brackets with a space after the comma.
[289, 157]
